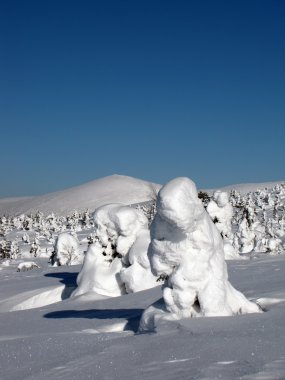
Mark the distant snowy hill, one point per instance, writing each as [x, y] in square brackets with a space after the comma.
[244, 188]
[111, 189]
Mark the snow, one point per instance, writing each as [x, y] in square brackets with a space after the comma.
[221, 212]
[28, 265]
[67, 251]
[244, 188]
[91, 195]
[46, 333]
[88, 338]
[117, 261]
[187, 250]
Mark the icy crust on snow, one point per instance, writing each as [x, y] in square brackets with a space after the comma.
[187, 250]
[221, 211]
[117, 261]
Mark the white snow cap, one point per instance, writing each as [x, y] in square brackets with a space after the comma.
[187, 250]
[178, 203]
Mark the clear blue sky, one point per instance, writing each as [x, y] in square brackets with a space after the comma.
[151, 89]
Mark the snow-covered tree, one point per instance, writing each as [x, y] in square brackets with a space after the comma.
[118, 255]
[66, 251]
[221, 212]
[187, 250]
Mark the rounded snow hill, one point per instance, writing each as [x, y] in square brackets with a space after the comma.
[111, 189]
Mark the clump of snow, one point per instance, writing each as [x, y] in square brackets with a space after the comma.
[187, 250]
[138, 276]
[66, 251]
[221, 211]
[28, 265]
[116, 262]
[99, 274]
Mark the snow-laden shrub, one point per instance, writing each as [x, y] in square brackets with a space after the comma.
[117, 262]
[28, 265]
[205, 198]
[187, 251]
[221, 212]
[9, 249]
[66, 250]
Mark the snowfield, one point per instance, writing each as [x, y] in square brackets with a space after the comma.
[143, 291]
[111, 189]
[95, 337]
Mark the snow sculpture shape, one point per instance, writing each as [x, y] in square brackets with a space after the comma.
[138, 275]
[66, 251]
[99, 274]
[117, 262]
[187, 250]
[221, 212]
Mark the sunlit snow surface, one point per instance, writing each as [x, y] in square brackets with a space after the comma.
[94, 337]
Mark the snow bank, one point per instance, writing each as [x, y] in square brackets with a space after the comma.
[187, 250]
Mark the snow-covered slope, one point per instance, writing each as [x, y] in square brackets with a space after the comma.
[244, 188]
[111, 189]
[94, 338]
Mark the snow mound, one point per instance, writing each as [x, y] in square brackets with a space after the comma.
[91, 195]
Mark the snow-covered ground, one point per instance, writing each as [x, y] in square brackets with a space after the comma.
[49, 331]
[92, 337]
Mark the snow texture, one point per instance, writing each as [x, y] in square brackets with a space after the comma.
[117, 261]
[187, 251]
[27, 265]
[46, 334]
[67, 251]
[221, 211]
[91, 195]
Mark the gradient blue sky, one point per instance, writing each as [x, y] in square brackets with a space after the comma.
[151, 89]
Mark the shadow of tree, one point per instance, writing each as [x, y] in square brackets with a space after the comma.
[66, 278]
